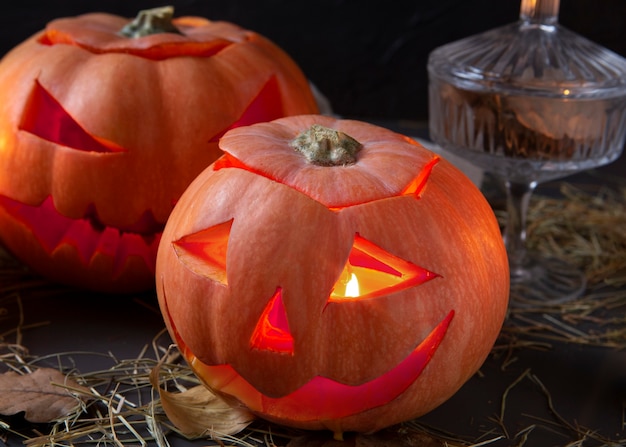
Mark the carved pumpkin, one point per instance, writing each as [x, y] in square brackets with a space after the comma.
[344, 291]
[101, 133]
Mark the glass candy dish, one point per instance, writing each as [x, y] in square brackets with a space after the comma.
[529, 102]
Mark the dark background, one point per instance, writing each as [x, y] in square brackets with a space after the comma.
[368, 57]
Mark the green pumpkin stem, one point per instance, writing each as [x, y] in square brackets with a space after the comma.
[323, 146]
[151, 21]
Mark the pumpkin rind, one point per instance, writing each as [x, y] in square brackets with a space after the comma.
[288, 232]
[163, 99]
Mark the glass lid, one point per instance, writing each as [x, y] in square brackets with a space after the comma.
[533, 56]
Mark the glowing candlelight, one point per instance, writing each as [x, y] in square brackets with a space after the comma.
[372, 272]
[352, 287]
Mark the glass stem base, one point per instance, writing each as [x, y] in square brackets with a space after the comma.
[541, 281]
[535, 280]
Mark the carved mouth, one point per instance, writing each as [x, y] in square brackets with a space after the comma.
[88, 234]
[321, 398]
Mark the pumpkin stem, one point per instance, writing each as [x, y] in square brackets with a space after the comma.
[323, 146]
[151, 21]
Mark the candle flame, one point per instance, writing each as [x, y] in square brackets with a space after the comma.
[372, 272]
[352, 287]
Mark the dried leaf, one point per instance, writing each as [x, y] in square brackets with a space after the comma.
[197, 412]
[44, 395]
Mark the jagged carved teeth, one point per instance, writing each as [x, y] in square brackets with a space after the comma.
[88, 234]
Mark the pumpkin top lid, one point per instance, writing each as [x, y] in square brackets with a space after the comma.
[100, 33]
[387, 164]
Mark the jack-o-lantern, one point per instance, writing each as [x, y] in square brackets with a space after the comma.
[332, 274]
[100, 133]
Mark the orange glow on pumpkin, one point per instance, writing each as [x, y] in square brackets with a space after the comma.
[371, 271]
[87, 235]
[321, 398]
[266, 105]
[416, 187]
[46, 118]
[272, 331]
[324, 324]
[204, 252]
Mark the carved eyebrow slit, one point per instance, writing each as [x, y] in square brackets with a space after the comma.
[417, 185]
[46, 118]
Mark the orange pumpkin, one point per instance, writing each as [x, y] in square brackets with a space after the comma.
[101, 133]
[332, 274]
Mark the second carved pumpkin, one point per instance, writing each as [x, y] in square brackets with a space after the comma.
[100, 133]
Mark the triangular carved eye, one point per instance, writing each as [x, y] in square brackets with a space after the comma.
[272, 331]
[371, 272]
[204, 252]
[266, 106]
[46, 118]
